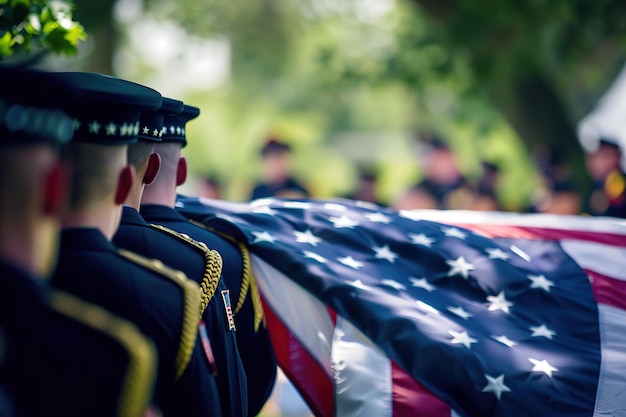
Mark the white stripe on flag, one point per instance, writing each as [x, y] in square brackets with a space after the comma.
[362, 374]
[611, 392]
[305, 316]
[605, 259]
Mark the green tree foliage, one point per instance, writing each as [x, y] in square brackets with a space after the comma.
[38, 25]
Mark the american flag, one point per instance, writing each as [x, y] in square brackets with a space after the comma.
[376, 312]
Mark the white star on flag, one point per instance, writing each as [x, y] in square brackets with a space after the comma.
[385, 253]
[296, 205]
[497, 253]
[542, 366]
[307, 237]
[421, 239]
[394, 284]
[343, 222]
[542, 331]
[460, 311]
[264, 210]
[378, 218]
[540, 281]
[314, 256]
[263, 237]
[422, 283]
[357, 283]
[462, 338]
[496, 385]
[499, 302]
[460, 266]
[454, 232]
[351, 262]
[504, 340]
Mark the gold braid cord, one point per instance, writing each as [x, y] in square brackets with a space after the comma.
[247, 280]
[191, 302]
[136, 389]
[212, 264]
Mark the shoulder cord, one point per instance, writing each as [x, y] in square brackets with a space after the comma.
[248, 283]
[212, 264]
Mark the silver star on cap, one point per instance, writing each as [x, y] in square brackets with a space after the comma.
[94, 127]
[146, 130]
[155, 132]
[111, 129]
[172, 129]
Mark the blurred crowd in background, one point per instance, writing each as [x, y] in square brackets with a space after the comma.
[443, 185]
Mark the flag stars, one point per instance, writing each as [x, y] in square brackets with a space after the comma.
[357, 283]
[314, 256]
[497, 253]
[542, 331]
[111, 129]
[393, 284]
[461, 312]
[307, 237]
[499, 302]
[421, 239]
[496, 385]
[378, 218]
[385, 253]
[459, 266]
[540, 281]
[263, 237]
[504, 340]
[343, 222]
[264, 210]
[542, 366]
[462, 338]
[454, 232]
[351, 262]
[422, 283]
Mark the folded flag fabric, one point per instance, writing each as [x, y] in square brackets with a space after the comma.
[375, 312]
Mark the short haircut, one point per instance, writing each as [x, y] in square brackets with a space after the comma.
[139, 152]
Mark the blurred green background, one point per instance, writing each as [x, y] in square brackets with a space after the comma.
[350, 82]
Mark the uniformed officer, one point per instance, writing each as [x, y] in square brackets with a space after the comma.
[59, 356]
[196, 260]
[158, 204]
[162, 302]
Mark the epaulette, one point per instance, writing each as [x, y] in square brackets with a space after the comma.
[248, 283]
[191, 294]
[212, 264]
[136, 389]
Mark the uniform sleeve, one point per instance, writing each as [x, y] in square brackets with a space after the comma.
[196, 390]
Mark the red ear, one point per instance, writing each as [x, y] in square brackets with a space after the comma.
[181, 171]
[154, 165]
[124, 184]
[54, 189]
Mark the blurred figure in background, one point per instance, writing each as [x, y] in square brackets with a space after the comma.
[365, 189]
[485, 192]
[557, 192]
[210, 187]
[443, 186]
[277, 179]
[608, 190]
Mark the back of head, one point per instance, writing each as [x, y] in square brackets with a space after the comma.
[106, 113]
[32, 128]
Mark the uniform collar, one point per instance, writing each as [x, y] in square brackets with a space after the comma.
[155, 212]
[130, 216]
[85, 238]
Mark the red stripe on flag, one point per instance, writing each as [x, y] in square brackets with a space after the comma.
[304, 372]
[607, 290]
[411, 399]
